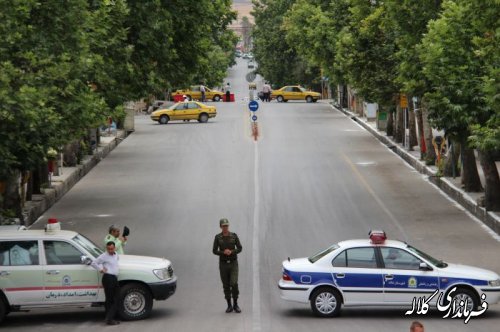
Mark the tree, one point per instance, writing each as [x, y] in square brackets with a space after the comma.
[278, 60]
[366, 52]
[456, 53]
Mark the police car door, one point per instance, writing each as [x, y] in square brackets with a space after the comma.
[403, 279]
[66, 278]
[357, 275]
[20, 274]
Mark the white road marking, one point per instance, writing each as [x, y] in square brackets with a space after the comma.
[256, 326]
[366, 163]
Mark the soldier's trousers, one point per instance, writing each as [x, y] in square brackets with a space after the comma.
[229, 278]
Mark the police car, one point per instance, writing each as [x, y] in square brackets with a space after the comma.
[377, 272]
[50, 268]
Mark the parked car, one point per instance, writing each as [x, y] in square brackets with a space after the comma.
[194, 93]
[295, 92]
[50, 268]
[380, 272]
[189, 110]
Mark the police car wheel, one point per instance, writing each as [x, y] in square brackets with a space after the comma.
[464, 296]
[326, 302]
[136, 302]
[216, 98]
[163, 119]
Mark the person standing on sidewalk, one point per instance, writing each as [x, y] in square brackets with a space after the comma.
[202, 90]
[227, 246]
[228, 91]
[107, 264]
[114, 236]
[266, 88]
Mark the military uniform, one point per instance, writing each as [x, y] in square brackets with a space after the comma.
[228, 264]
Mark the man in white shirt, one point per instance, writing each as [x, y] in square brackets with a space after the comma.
[107, 264]
[202, 90]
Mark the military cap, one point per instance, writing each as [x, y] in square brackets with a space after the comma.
[224, 222]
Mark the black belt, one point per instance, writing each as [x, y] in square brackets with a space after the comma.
[228, 260]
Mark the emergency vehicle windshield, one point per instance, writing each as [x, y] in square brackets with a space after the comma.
[88, 245]
[434, 261]
[323, 253]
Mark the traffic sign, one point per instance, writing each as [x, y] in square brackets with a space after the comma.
[253, 106]
[254, 117]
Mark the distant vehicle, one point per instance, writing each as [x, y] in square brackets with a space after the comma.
[157, 104]
[194, 93]
[295, 92]
[238, 53]
[251, 64]
[245, 56]
[379, 272]
[49, 268]
[188, 110]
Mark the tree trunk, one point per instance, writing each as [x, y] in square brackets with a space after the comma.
[451, 168]
[390, 123]
[421, 137]
[430, 155]
[29, 189]
[38, 180]
[492, 185]
[12, 199]
[412, 129]
[470, 175]
[399, 132]
[70, 153]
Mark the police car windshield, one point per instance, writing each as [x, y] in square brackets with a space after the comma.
[88, 245]
[321, 254]
[434, 261]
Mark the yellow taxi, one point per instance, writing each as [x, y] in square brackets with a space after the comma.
[186, 110]
[194, 93]
[295, 92]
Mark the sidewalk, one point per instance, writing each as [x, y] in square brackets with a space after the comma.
[68, 177]
[451, 186]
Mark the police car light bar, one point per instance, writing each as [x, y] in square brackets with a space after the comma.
[377, 236]
[52, 225]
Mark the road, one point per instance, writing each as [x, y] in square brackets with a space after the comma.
[313, 178]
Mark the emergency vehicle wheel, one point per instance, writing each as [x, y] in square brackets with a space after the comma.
[216, 98]
[163, 119]
[326, 302]
[136, 302]
[462, 296]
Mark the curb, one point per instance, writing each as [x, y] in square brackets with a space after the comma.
[62, 184]
[490, 219]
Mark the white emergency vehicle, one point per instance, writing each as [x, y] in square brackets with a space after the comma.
[380, 272]
[51, 268]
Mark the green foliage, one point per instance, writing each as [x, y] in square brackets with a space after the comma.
[367, 52]
[278, 61]
[460, 54]
[67, 68]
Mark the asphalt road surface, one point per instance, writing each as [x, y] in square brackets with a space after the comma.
[312, 179]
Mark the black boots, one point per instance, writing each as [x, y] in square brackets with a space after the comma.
[229, 307]
[236, 307]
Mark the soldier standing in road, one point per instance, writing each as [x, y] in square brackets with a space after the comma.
[107, 264]
[227, 245]
[114, 236]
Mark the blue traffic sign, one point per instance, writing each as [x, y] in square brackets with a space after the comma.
[254, 117]
[253, 105]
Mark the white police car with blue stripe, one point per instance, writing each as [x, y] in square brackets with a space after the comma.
[378, 272]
